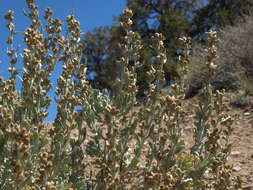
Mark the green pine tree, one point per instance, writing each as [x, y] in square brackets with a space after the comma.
[219, 13]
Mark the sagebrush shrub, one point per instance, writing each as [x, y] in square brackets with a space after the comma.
[234, 60]
[236, 47]
[110, 142]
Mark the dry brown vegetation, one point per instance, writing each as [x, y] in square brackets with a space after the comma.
[234, 60]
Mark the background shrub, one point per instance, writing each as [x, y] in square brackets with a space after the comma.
[234, 61]
[241, 101]
[236, 47]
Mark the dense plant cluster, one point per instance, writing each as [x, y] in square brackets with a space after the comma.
[109, 142]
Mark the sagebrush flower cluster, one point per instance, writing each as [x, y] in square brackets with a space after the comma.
[110, 142]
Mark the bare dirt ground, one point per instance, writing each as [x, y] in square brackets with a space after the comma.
[241, 156]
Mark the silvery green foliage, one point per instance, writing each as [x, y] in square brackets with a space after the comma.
[102, 141]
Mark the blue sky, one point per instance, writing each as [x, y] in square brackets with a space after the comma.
[90, 13]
